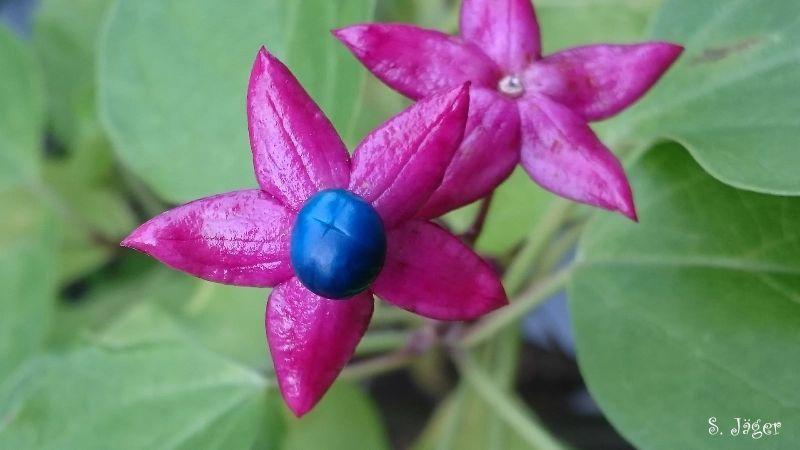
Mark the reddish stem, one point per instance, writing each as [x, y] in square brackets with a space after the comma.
[473, 233]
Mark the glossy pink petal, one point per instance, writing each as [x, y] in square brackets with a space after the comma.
[311, 339]
[563, 155]
[399, 165]
[599, 81]
[487, 155]
[417, 62]
[506, 30]
[237, 238]
[296, 151]
[432, 273]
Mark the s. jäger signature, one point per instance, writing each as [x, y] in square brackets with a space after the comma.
[745, 427]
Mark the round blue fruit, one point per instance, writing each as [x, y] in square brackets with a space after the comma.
[338, 244]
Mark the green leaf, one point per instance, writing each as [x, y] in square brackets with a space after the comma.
[731, 99]
[344, 419]
[441, 15]
[173, 76]
[227, 319]
[693, 312]
[326, 69]
[65, 35]
[21, 112]
[142, 385]
[95, 214]
[28, 235]
[579, 22]
[95, 217]
[27, 276]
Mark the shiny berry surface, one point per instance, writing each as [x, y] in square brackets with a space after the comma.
[338, 244]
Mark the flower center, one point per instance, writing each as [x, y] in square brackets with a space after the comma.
[338, 244]
[511, 86]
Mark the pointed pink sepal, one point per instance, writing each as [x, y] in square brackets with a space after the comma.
[563, 155]
[598, 81]
[487, 155]
[506, 30]
[296, 151]
[417, 62]
[430, 272]
[239, 238]
[399, 165]
[311, 339]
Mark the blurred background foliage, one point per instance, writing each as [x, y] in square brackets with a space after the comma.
[112, 111]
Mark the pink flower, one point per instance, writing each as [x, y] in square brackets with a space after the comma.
[276, 236]
[523, 107]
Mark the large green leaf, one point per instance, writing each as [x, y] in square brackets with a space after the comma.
[65, 36]
[95, 214]
[142, 385]
[344, 419]
[27, 232]
[27, 277]
[692, 313]
[173, 76]
[579, 22]
[442, 15]
[323, 65]
[226, 319]
[21, 112]
[732, 97]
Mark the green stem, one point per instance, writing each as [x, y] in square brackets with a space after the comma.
[151, 204]
[506, 406]
[61, 208]
[513, 312]
[452, 420]
[416, 344]
[565, 242]
[378, 365]
[503, 351]
[390, 315]
[382, 341]
[518, 271]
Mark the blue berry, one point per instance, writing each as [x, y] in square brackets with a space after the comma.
[338, 244]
